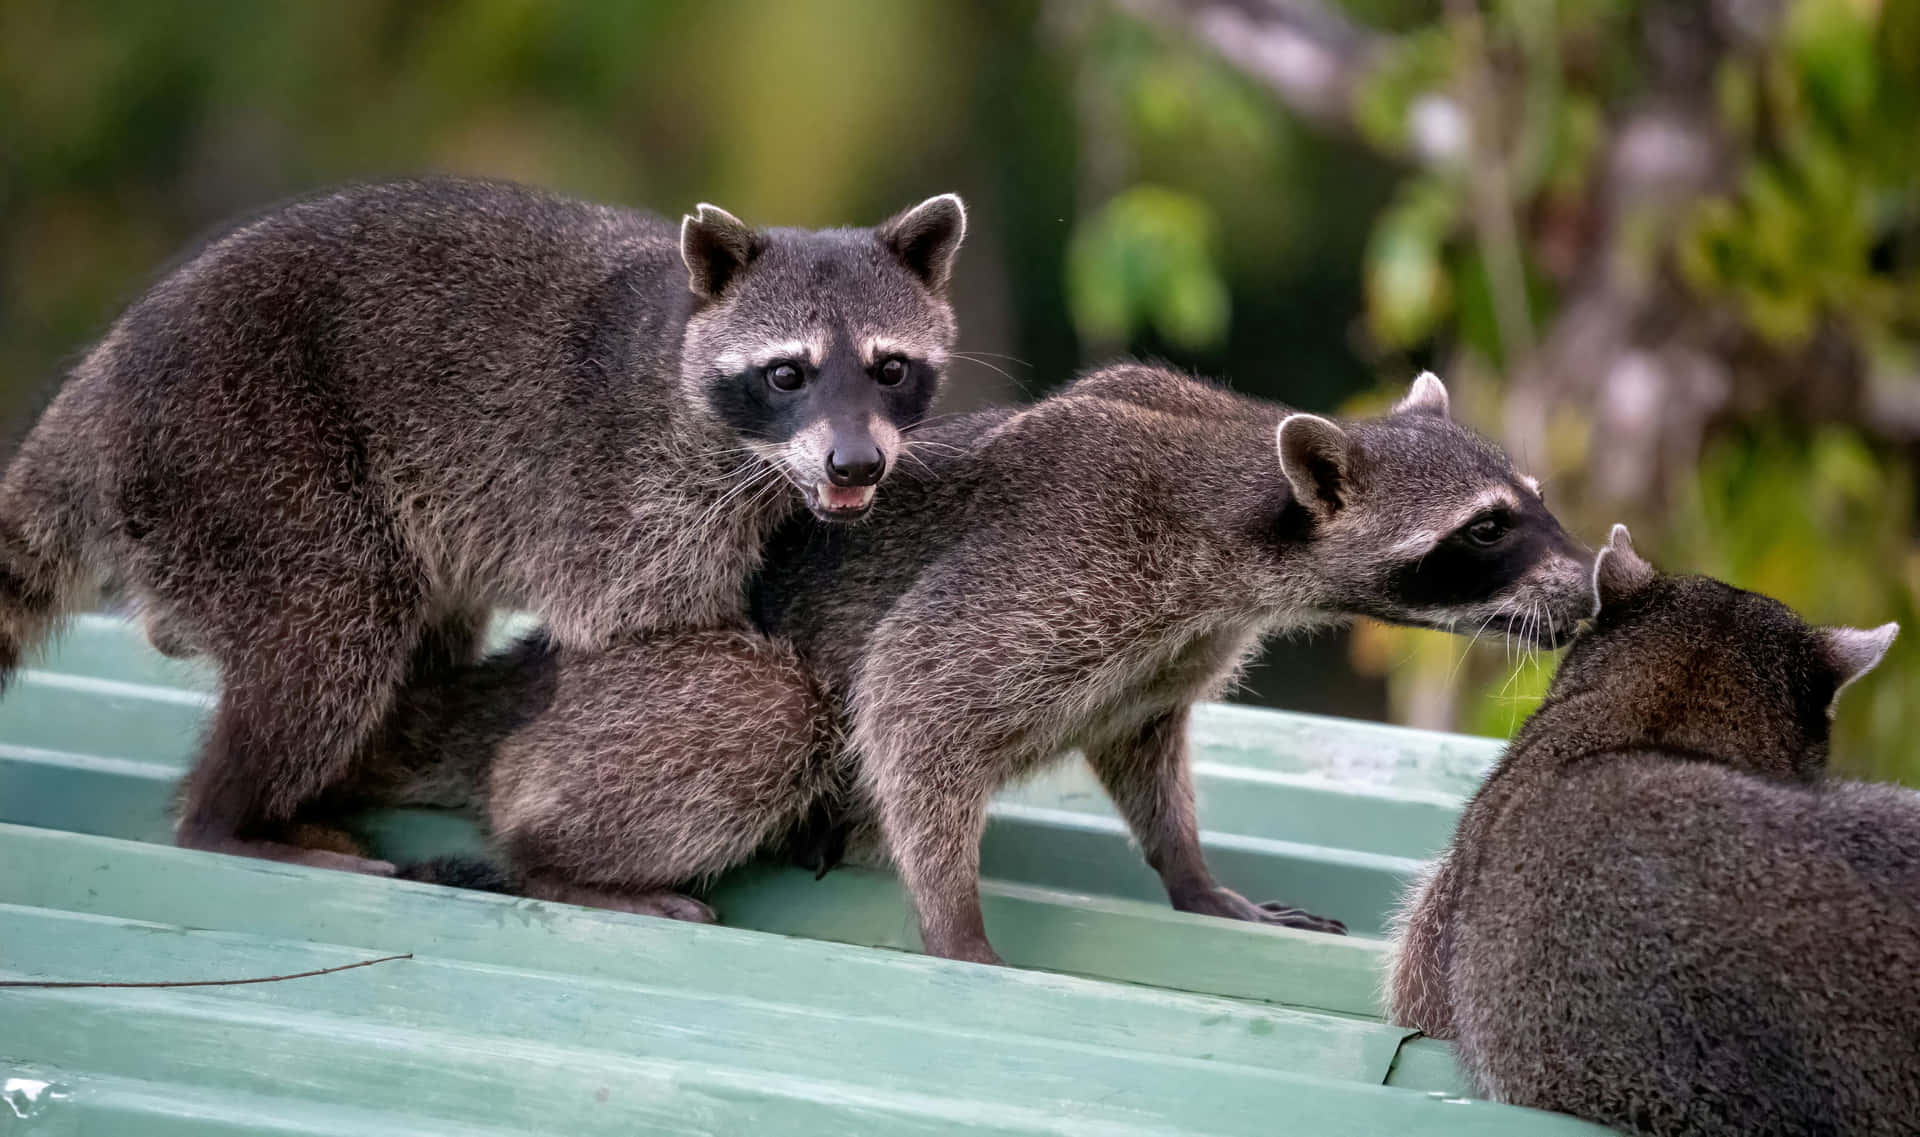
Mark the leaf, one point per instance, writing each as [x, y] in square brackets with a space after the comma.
[1147, 259]
[1408, 291]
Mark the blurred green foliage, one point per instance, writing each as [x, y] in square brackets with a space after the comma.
[1147, 259]
[1813, 230]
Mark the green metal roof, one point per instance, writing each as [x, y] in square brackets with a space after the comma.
[807, 1012]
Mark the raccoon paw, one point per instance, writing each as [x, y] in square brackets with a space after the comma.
[651, 902]
[673, 906]
[1227, 903]
[1274, 912]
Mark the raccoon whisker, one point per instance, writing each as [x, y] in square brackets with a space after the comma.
[727, 477]
[994, 354]
[772, 489]
[932, 445]
[1530, 656]
[753, 481]
[1477, 632]
[1003, 372]
[907, 452]
[932, 419]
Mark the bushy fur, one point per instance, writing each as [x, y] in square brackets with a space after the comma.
[327, 444]
[1073, 575]
[568, 756]
[1658, 913]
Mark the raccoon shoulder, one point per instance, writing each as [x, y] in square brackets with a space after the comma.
[440, 225]
[1160, 389]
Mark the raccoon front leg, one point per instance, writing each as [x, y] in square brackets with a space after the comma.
[933, 826]
[1147, 774]
[1419, 991]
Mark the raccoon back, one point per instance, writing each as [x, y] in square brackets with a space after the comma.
[1676, 947]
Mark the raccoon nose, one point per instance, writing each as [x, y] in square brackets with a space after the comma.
[856, 466]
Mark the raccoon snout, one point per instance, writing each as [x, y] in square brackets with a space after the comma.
[858, 465]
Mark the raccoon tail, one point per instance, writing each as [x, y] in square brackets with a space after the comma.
[50, 508]
[476, 873]
[42, 574]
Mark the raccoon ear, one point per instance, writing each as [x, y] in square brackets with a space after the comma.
[715, 245]
[1852, 652]
[1428, 397]
[1313, 456]
[926, 237]
[1618, 571]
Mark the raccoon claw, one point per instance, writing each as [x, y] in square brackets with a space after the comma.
[819, 842]
[1274, 912]
[1227, 903]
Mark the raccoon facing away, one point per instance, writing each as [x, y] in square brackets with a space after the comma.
[1658, 913]
[327, 444]
[1074, 575]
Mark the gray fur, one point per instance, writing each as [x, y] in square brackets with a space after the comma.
[1073, 575]
[1658, 912]
[568, 757]
[329, 442]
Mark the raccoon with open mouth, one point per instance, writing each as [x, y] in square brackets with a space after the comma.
[1074, 575]
[326, 445]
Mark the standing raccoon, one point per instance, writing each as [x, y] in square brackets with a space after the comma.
[328, 443]
[1658, 914]
[1075, 575]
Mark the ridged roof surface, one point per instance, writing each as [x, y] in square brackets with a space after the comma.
[807, 1012]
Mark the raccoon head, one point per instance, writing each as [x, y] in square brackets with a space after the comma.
[1689, 664]
[818, 347]
[1416, 520]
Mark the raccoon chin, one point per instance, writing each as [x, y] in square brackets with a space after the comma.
[1530, 628]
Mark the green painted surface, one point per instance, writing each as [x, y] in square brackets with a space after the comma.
[808, 1012]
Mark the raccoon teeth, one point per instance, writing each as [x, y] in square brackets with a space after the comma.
[845, 497]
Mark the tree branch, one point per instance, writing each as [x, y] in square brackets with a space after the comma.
[1313, 58]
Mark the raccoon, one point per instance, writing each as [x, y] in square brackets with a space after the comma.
[1659, 913]
[328, 443]
[1075, 575]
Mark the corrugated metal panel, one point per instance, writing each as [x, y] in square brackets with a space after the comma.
[517, 1016]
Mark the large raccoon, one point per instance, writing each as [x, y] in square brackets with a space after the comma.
[327, 444]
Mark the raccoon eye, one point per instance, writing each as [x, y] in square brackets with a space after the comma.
[785, 377]
[1489, 529]
[893, 372]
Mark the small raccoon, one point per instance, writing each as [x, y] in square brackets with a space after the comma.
[1658, 913]
[1073, 575]
[327, 444]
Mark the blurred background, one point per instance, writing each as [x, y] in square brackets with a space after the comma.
[1667, 251]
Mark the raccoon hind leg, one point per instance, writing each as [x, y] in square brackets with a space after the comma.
[307, 672]
[657, 764]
